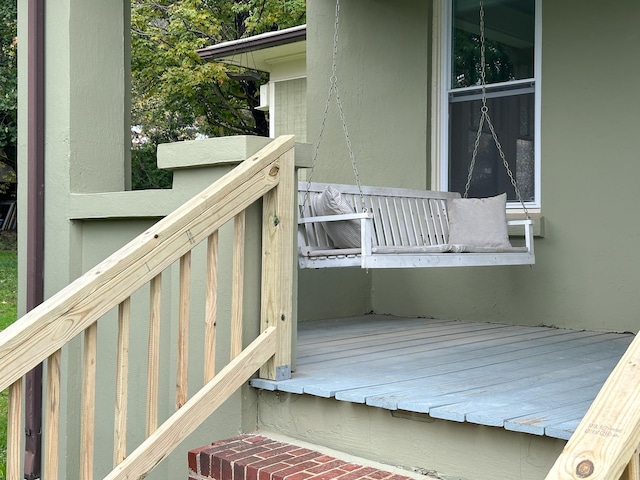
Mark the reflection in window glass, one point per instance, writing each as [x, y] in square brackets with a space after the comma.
[510, 77]
[509, 41]
[490, 177]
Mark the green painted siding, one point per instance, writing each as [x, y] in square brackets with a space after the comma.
[291, 108]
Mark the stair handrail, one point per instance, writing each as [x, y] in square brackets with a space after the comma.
[44, 331]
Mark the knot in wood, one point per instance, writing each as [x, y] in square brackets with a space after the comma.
[274, 171]
[585, 468]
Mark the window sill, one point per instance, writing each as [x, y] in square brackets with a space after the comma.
[538, 224]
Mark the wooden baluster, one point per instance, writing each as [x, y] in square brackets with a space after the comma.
[52, 412]
[238, 285]
[211, 306]
[632, 472]
[87, 423]
[153, 361]
[183, 330]
[14, 432]
[122, 383]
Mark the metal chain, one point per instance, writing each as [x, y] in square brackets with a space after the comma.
[484, 115]
[333, 87]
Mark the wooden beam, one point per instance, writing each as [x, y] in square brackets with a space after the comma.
[153, 360]
[211, 308]
[88, 407]
[182, 375]
[632, 472]
[52, 412]
[237, 284]
[122, 383]
[14, 431]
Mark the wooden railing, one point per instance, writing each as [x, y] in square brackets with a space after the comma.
[41, 334]
[605, 444]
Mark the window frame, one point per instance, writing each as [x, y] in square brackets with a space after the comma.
[442, 56]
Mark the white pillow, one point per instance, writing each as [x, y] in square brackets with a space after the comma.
[344, 234]
[479, 222]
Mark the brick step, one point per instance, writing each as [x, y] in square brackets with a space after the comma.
[259, 457]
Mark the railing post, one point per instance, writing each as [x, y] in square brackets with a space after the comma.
[278, 264]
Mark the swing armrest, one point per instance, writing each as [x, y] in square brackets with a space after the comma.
[366, 228]
[528, 231]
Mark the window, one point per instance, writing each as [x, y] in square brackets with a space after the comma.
[511, 79]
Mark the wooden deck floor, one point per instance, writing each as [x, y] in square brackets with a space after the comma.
[537, 380]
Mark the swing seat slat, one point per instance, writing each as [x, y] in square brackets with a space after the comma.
[399, 228]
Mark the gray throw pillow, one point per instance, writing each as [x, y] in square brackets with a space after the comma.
[479, 222]
[344, 234]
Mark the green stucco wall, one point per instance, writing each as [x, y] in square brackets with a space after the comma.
[382, 86]
[587, 268]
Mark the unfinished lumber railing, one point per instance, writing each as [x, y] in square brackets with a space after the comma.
[605, 444]
[41, 334]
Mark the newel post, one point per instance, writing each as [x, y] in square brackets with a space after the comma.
[278, 213]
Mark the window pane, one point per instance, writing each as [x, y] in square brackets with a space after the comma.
[513, 119]
[509, 41]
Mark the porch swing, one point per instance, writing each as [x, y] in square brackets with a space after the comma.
[382, 227]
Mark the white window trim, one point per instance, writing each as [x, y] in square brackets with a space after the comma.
[441, 64]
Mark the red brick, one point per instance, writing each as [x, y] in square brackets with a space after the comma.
[251, 473]
[329, 464]
[245, 454]
[256, 438]
[254, 457]
[226, 470]
[328, 474]
[216, 468]
[205, 463]
[348, 467]
[193, 454]
[269, 462]
[296, 467]
[310, 455]
[360, 473]
[325, 458]
[303, 451]
[278, 450]
[239, 471]
[269, 473]
[379, 474]
[299, 476]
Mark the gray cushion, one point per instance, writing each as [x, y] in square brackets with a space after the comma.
[479, 222]
[344, 234]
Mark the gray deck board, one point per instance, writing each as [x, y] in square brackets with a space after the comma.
[537, 380]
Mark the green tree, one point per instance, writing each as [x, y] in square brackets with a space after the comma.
[8, 83]
[175, 95]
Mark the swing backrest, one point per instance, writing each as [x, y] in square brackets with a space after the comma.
[401, 217]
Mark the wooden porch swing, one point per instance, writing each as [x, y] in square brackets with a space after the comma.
[381, 227]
